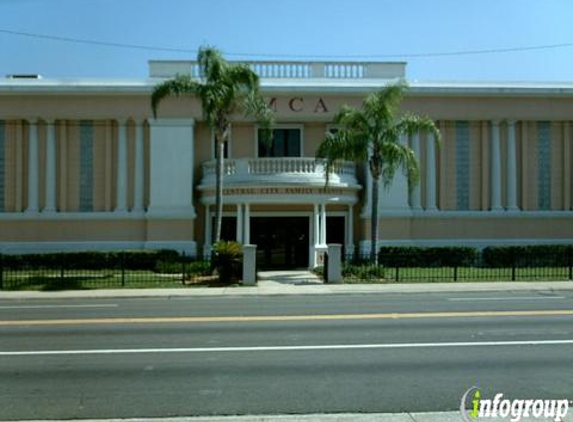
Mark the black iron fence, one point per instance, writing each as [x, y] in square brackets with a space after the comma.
[89, 270]
[401, 265]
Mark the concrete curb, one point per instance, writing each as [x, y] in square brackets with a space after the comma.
[273, 288]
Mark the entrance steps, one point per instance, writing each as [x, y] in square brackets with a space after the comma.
[297, 277]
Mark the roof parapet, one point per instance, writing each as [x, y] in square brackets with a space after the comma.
[291, 69]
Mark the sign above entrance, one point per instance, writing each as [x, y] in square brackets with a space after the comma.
[283, 191]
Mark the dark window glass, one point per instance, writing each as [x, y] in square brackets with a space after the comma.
[215, 147]
[285, 143]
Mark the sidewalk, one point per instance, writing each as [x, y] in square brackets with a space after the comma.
[274, 288]
[338, 417]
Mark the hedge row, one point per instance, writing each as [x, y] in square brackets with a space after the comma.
[528, 256]
[489, 257]
[414, 256]
[131, 260]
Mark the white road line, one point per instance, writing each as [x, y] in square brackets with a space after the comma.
[106, 305]
[288, 348]
[472, 299]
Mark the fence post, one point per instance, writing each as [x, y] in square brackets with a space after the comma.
[334, 265]
[397, 273]
[571, 264]
[1, 271]
[183, 268]
[62, 264]
[249, 264]
[122, 260]
[456, 273]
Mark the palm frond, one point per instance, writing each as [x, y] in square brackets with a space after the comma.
[180, 85]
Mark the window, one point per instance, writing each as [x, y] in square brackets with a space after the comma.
[215, 150]
[544, 168]
[463, 165]
[2, 163]
[86, 165]
[285, 143]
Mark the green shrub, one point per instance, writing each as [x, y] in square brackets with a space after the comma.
[363, 272]
[227, 260]
[415, 256]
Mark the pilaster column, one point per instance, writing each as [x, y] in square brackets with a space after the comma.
[511, 167]
[316, 224]
[323, 224]
[495, 167]
[50, 167]
[121, 200]
[207, 243]
[431, 173]
[240, 223]
[416, 192]
[350, 231]
[247, 217]
[139, 170]
[33, 166]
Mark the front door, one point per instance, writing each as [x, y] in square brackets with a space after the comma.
[282, 242]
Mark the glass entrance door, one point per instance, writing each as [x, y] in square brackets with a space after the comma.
[282, 242]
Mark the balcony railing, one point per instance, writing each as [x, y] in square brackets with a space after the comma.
[305, 170]
[291, 69]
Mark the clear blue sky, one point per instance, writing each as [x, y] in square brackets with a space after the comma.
[293, 27]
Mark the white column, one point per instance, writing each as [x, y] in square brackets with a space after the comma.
[350, 231]
[50, 167]
[316, 224]
[395, 197]
[247, 217]
[323, 224]
[511, 167]
[33, 165]
[415, 195]
[121, 202]
[431, 173]
[240, 223]
[139, 168]
[208, 225]
[495, 167]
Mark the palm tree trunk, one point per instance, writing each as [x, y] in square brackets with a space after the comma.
[220, 163]
[374, 221]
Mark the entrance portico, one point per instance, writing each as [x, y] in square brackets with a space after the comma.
[287, 219]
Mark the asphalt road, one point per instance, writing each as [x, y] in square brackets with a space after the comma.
[121, 358]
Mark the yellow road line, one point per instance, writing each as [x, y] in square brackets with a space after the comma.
[271, 318]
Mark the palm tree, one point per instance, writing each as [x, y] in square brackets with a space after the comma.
[223, 88]
[372, 134]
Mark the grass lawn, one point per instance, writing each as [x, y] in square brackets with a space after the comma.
[50, 280]
[447, 275]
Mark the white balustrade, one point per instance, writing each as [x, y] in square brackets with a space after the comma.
[289, 166]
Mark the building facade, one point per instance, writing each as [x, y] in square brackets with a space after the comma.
[83, 166]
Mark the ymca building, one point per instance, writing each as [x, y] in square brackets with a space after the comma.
[85, 166]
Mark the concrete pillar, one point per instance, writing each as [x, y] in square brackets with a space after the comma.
[33, 166]
[139, 174]
[416, 193]
[240, 223]
[511, 167]
[247, 217]
[50, 167]
[334, 263]
[249, 264]
[495, 167]
[121, 199]
[431, 173]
